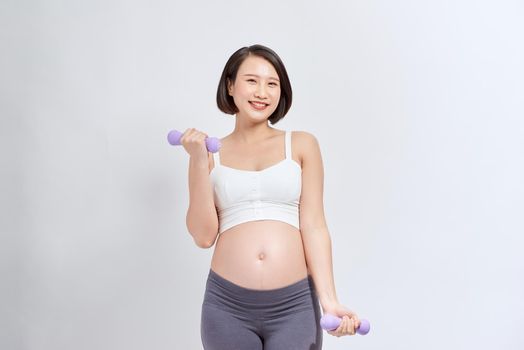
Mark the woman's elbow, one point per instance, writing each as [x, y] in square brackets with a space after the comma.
[204, 244]
[204, 237]
[204, 232]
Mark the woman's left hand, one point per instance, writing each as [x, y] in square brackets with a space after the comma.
[350, 321]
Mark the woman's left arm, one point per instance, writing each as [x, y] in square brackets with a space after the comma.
[315, 234]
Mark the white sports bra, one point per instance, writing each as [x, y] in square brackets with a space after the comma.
[272, 193]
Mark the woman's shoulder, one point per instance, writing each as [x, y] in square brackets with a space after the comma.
[303, 139]
[302, 134]
[304, 144]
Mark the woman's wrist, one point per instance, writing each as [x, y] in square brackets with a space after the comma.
[328, 303]
[199, 162]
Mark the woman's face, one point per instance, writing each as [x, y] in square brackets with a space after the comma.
[256, 90]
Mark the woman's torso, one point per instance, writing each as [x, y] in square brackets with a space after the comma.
[263, 254]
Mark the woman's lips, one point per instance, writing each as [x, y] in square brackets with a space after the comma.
[259, 106]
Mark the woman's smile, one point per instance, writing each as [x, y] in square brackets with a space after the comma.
[259, 106]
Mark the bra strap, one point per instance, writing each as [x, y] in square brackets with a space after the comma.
[288, 144]
[216, 158]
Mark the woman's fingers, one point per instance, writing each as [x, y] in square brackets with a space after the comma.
[351, 326]
[192, 134]
[346, 327]
[194, 143]
[356, 321]
[341, 327]
[186, 135]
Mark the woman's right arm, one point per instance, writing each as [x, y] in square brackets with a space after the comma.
[201, 218]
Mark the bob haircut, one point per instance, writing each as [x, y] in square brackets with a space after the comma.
[226, 103]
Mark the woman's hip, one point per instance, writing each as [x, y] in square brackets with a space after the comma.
[261, 304]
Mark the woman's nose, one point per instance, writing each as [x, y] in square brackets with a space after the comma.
[261, 90]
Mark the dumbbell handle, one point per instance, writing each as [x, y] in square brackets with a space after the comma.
[212, 143]
[330, 322]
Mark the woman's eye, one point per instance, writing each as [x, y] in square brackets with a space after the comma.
[253, 80]
[274, 84]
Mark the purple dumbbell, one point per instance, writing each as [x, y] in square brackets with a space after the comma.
[212, 143]
[330, 322]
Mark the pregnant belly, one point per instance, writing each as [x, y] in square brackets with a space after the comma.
[260, 255]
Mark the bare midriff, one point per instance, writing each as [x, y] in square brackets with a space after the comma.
[263, 254]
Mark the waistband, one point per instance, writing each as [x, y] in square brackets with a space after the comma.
[295, 290]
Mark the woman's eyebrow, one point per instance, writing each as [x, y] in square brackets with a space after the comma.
[254, 75]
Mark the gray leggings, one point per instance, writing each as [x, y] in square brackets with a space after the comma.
[238, 318]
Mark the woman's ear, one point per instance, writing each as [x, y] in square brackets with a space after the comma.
[229, 87]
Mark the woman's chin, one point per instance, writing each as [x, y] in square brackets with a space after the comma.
[257, 115]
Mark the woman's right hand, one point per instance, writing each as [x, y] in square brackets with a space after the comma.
[194, 142]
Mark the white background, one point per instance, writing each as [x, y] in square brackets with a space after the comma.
[418, 109]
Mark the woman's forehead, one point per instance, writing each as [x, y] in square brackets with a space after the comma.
[258, 66]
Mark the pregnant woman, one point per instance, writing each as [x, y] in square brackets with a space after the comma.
[259, 201]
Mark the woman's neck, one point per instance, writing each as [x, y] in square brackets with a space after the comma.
[253, 133]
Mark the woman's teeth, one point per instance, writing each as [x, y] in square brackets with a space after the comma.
[258, 105]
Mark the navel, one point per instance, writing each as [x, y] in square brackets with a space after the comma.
[261, 256]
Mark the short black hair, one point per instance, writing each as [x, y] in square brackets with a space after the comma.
[226, 103]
